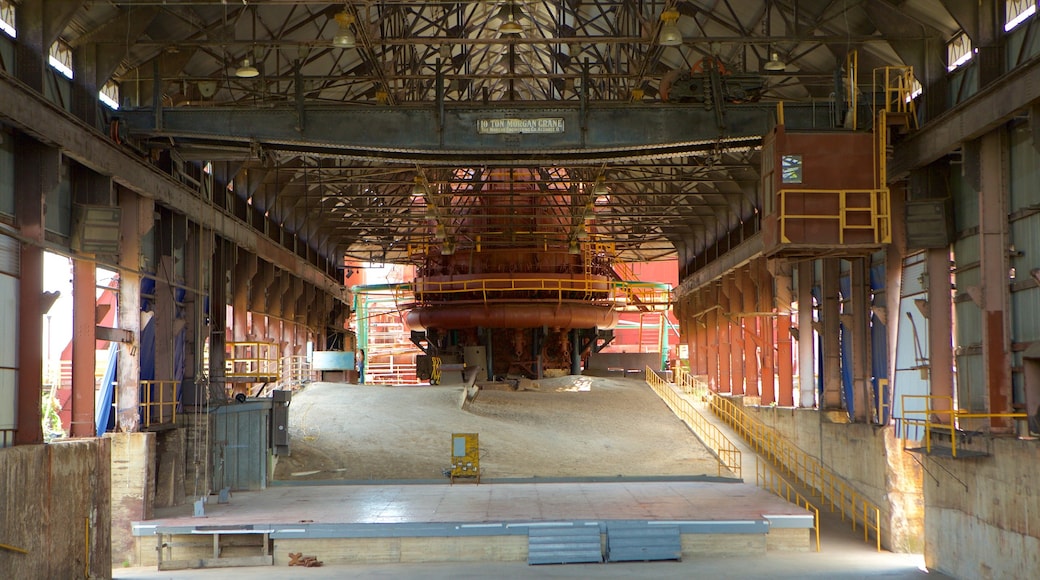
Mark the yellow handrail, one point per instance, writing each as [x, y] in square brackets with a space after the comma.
[252, 360]
[158, 402]
[877, 210]
[771, 480]
[803, 467]
[931, 419]
[725, 451]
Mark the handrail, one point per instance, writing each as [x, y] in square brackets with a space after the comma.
[158, 402]
[725, 451]
[769, 479]
[803, 467]
[251, 359]
[877, 210]
[929, 413]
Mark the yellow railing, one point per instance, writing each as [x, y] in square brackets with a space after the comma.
[690, 385]
[158, 403]
[877, 210]
[652, 296]
[252, 360]
[488, 287]
[725, 451]
[931, 419]
[768, 478]
[804, 468]
[296, 371]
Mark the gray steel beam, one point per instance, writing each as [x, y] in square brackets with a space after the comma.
[49, 124]
[991, 107]
[415, 135]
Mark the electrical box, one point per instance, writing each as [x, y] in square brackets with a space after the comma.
[465, 456]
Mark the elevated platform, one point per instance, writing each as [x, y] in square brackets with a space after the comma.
[398, 523]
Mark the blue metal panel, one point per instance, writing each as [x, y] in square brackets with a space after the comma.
[564, 545]
[635, 543]
[332, 360]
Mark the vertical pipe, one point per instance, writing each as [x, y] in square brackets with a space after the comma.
[83, 348]
[806, 366]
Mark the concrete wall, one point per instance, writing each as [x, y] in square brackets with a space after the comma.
[870, 458]
[133, 489]
[983, 514]
[619, 362]
[54, 503]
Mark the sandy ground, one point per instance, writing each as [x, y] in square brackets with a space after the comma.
[573, 426]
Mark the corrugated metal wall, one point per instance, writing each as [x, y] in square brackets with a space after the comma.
[9, 271]
[971, 387]
[1024, 209]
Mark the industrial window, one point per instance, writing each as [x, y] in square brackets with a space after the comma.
[791, 169]
[958, 51]
[7, 18]
[61, 58]
[1016, 12]
[109, 95]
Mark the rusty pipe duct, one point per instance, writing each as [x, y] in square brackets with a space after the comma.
[515, 315]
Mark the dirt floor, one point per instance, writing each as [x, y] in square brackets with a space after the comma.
[572, 426]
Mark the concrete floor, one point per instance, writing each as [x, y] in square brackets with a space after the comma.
[843, 553]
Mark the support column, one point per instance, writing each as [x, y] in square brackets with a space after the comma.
[36, 173]
[84, 323]
[994, 257]
[711, 330]
[736, 335]
[245, 269]
[859, 281]
[784, 348]
[766, 303]
[806, 337]
[218, 314]
[940, 331]
[829, 316]
[752, 337]
[722, 329]
[575, 352]
[137, 218]
[700, 354]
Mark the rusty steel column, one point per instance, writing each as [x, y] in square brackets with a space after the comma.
[736, 336]
[84, 323]
[726, 339]
[245, 265]
[993, 250]
[806, 337]
[711, 329]
[859, 330]
[829, 317]
[767, 303]
[702, 334]
[940, 331]
[752, 337]
[784, 348]
[36, 172]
